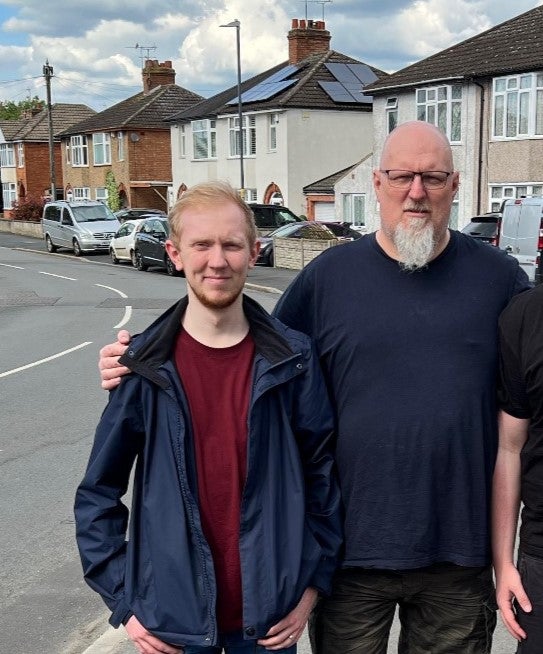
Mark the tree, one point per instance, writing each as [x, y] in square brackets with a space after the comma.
[10, 110]
[113, 198]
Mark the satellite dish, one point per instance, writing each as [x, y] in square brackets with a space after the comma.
[134, 137]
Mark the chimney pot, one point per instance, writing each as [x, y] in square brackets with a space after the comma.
[157, 74]
[307, 38]
[294, 23]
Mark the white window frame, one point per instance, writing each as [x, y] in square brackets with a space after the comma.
[250, 195]
[9, 194]
[204, 139]
[497, 193]
[7, 155]
[441, 106]
[517, 106]
[120, 146]
[248, 130]
[21, 154]
[351, 203]
[101, 194]
[182, 140]
[79, 151]
[273, 121]
[81, 193]
[454, 214]
[101, 148]
[391, 113]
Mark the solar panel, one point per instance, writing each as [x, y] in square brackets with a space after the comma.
[351, 79]
[364, 73]
[342, 73]
[337, 92]
[269, 87]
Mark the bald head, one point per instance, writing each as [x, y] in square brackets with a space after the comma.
[413, 140]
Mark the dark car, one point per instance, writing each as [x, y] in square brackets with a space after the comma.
[131, 213]
[343, 230]
[484, 228]
[303, 229]
[149, 247]
[269, 217]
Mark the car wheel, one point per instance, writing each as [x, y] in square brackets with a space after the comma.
[170, 268]
[133, 258]
[270, 258]
[140, 264]
[113, 257]
[49, 244]
[77, 248]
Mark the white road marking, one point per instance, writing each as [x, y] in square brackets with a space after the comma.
[37, 363]
[126, 317]
[112, 289]
[8, 266]
[72, 279]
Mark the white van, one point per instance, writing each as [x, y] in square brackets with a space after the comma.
[521, 234]
[82, 226]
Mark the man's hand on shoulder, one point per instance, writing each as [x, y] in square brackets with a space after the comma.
[110, 369]
[145, 642]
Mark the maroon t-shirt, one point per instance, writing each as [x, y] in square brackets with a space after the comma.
[217, 383]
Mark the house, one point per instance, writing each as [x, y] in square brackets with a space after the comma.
[129, 140]
[486, 93]
[301, 120]
[24, 151]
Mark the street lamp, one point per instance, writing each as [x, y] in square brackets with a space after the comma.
[236, 24]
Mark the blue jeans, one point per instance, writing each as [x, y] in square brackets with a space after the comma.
[235, 644]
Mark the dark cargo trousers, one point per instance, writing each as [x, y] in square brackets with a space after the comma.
[443, 609]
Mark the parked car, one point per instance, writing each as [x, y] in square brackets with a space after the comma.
[149, 248]
[484, 228]
[303, 229]
[82, 226]
[521, 234]
[130, 213]
[343, 231]
[269, 217]
[122, 245]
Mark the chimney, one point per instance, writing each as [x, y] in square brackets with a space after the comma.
[157, 74]
[307, 38]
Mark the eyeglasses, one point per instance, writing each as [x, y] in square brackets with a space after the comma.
[431, 179]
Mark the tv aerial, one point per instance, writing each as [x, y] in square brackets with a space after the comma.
[317, 2]
[145, 50]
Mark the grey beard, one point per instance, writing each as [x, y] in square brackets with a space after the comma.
[415, 245]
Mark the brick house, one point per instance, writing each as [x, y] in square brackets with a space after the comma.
[24, 151]
[130, 140]
[301, 120]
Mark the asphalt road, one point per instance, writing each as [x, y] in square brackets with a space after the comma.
[56, 311]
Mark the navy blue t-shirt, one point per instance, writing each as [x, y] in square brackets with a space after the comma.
[410, 359]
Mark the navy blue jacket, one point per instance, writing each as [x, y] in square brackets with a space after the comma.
[290, 530]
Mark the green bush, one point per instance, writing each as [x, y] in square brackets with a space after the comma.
[29, 209]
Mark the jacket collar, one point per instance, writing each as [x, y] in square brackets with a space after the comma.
[153, 347]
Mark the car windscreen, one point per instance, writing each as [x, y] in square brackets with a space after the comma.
[93, 213]
[284, 217]
[285, 230]
[481, 229]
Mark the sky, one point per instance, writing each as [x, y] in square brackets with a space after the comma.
[97, 48]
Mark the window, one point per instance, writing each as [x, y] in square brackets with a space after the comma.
[499, 193]
[81, 193]
[182, 136]
[78, 149]
[101, 194]
[21, 155]
[204, 139]
[354, 209]
[120, 146]
[249, 147]
[68, 158]
[7, 155]
[392, 114]
[9, 193]
[453, 216]
[273, 121]
[442, 106]
[518, 106]
[250, 195]
[101, 145]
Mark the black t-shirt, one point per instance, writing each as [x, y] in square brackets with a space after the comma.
[521, 395]
[411, 363]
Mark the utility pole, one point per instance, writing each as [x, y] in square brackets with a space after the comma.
[48, 73]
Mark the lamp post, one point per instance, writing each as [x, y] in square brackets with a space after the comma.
[236, 24]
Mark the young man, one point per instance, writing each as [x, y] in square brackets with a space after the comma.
[405, 325]
[519, 472]
[235, 524]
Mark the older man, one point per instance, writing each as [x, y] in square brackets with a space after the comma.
[405, 324]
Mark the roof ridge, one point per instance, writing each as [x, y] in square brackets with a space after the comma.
[161, 90]
[307, 76]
